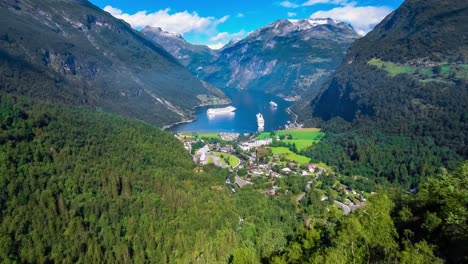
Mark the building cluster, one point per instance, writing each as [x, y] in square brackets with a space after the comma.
[202, 154]
[229, 136]
[248, 145]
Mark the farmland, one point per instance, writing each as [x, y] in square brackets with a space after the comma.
[301, 137]
[289, 155]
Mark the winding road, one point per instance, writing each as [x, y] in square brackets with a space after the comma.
[343, 206]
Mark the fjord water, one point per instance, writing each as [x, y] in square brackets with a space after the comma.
[243, 120]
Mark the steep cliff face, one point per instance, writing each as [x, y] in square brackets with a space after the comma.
[73, 52]
[287, 57]
[409, 75]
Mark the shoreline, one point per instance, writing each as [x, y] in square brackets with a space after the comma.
[166, 127]
[196, 108]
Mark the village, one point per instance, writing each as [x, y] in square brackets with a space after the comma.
[270, 163]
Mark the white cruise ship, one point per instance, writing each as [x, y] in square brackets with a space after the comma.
[260, 120]
[273, 104]
[224, 110]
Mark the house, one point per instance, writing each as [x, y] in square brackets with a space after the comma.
[269, 192]
[257, 171]
[225, 150]
[316, 169]
[286, 170]
[202, 158]
[312, 167]
[275, 174]
[240, 182]
[202, 154]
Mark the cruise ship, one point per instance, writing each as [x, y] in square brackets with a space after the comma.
[273, 104]
[260, 120]
[218, 111]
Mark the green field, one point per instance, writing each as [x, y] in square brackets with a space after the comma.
[393, 69]
[233, 160]
[443, 72]
[200, 135]
[288, 154]
[302, 137]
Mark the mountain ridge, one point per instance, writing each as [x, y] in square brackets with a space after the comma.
[72, 52]
[302, 52]
[409, 75]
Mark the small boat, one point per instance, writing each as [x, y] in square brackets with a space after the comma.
[273, 104]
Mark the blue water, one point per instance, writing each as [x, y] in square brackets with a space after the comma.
[243, 120]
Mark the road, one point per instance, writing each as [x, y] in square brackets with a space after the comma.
[291, 112]
[217, 162]
[346, 209]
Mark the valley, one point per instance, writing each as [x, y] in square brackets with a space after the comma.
[247, 132]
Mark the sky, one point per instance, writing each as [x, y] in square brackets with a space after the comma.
[216, 22]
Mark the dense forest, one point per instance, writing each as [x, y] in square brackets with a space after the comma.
[84, 186]
[401, 160]
[394, 227]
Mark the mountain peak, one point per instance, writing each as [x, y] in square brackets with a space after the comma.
[314, 21]
[160, 31]
[285, 27]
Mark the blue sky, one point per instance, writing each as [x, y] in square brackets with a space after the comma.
[214, 23]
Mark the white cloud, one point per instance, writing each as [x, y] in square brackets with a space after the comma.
[226, 36]
[316, 2]
[291, 14]
[181, 22]
[240, 15]
[216, 46]
[362, 18]
[288, 4]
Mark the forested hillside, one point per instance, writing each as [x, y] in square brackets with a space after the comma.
[427, 227]
[81, 186]
[365, 152]
[70, 51]
[408, 76]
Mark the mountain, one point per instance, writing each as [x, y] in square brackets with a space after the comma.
[175, 44]
[72, 52]
[408, 76]
[287, 57]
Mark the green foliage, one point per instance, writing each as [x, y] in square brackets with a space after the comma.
[301, 138]
[380, 157]
[438, 214]
[399, 81]
[393, 69]
[441, 73]
[420, 253]
[229, 159]
[289, 155]
[80, 186]
[393, 227]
